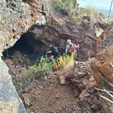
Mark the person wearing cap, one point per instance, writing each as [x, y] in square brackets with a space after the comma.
[68, 46]
[72, 47]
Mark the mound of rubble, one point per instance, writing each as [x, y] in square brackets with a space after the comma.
[69, 90]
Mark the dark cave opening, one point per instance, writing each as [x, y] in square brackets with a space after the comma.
[22, 46]
[21, 55]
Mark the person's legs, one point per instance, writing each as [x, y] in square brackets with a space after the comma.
[52, 57]
[56, 55]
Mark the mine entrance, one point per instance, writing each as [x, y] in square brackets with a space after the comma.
[20, 56]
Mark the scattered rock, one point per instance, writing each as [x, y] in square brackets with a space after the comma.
[62, 80]
[95, 108]
[26, 100]
[76, 92]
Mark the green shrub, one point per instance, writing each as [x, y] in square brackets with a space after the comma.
[29, 76]
[62, 61]
[92, 13]
[65, 6]
[43, 68]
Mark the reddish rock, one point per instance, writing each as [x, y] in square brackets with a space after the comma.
[102, 66]
[57, 31]
[62, 80]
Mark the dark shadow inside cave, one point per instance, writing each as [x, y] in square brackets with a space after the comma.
[22, 55]
[22, 46]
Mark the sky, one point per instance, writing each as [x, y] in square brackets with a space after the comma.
[96, 4]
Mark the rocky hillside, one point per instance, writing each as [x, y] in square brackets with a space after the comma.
[16, 16]
[35, 21]
[58, 30]
[102, 65]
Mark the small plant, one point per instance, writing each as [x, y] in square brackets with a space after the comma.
[43, 67]
[62, 61]
[29, 76]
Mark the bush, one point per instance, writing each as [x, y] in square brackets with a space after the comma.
[62, 61]
[65, 6]
[92, 13]
[29, 77]
[43, 68]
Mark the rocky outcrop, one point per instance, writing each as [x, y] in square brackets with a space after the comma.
[79, 76]
[58, 30]
[16, 16]
[102, 66]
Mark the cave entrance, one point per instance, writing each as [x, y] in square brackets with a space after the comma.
[20, 56]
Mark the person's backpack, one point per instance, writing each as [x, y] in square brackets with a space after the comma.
[72, 48]
[56, 49]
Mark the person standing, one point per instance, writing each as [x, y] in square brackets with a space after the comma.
[54, 51]
[70, 47]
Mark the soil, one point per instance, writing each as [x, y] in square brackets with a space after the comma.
[52, 97]
[78, 95]
[20, 57]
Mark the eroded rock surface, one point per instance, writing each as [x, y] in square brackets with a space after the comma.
[72, 89]
[58, 29]
[16, 16]
[102, 67]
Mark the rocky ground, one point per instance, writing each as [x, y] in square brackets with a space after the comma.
[67, 93]
[70, 90]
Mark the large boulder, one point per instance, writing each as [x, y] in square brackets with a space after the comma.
[102, 66]
[79, 76]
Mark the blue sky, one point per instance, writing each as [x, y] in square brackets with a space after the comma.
[96, 4]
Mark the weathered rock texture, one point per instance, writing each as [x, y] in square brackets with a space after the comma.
[52, 97]
[55, 30]
[102, 67]
[16, 16]
[58, 29]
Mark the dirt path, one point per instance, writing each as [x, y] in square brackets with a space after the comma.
[78, 96]
[52, 97]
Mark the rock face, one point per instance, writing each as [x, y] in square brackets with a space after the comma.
[58, 30]
[79, 75]
[16, 16]
[102, 66]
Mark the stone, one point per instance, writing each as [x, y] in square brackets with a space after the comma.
[82, 95]
[41, 21]
[76, 92]
[87, 18]
[62, 80]
[102, 66]
[95, 108]
[26, 99]
[103, 24]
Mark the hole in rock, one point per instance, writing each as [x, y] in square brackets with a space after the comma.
[22, 55]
